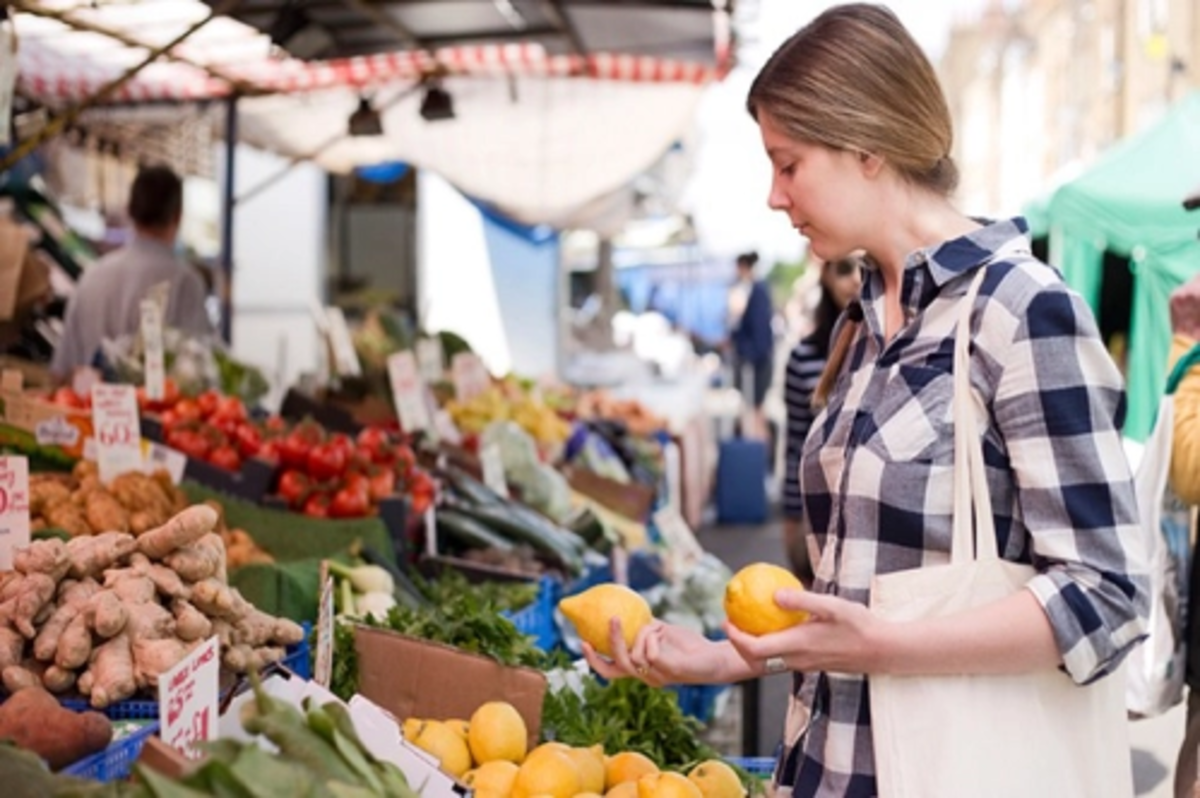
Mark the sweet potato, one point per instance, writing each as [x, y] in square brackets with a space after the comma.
[104, 513]
[35, 721]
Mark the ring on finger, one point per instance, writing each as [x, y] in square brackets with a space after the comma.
[642, 670]
[775, 665]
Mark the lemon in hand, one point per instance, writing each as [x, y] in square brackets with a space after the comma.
[592, 609]
[750, 599]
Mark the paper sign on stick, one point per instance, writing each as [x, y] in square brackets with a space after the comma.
[117, 430]
[14, 508]
[187, 699]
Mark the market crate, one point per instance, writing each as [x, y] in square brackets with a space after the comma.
[761, 767]
[115, 762]
[251, 483]
[537, 619]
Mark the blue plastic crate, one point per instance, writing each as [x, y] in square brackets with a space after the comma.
[537, 619]
[762, 767]
[699, 700]
[596, 574]
[116, 761]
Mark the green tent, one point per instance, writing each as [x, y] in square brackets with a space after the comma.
[1130, 202]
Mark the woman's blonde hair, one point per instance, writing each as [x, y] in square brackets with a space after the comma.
[855, 79]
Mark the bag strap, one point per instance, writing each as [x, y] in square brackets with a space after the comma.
[1182, 367]
[970, 479]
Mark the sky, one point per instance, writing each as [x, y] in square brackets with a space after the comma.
[727, 194]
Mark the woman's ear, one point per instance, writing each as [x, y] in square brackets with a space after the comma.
[871, 164]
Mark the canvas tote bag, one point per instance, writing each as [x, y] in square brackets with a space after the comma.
[1029, 735]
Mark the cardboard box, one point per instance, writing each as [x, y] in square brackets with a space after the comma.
[414, 678]
[632, 500]
[45, 423]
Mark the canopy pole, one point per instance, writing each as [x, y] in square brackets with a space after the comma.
[227, 207]
[68, 117]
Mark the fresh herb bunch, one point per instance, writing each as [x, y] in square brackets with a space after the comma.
[450, 585]
[626, 715]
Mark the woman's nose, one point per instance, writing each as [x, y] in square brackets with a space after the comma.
[777, 199]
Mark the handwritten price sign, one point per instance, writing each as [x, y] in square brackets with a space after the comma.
[14, 508]
[152, 347]
[187, 699]
[470, 376]
[408, 392]
[118, 430]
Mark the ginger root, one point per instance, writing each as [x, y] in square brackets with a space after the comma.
[183, 529]
[113, 674]
[74, 644]
[93, 555]
[67, 517]
[12, 645]
[35, 592]
[198, 561]
[152, 657]
[104, 513]
[47, 557]
[58, 680]
[106, 614]
[190, 623]
[19, 677]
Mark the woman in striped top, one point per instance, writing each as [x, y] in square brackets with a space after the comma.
[840, 283]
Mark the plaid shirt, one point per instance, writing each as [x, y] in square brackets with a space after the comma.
[877, 472]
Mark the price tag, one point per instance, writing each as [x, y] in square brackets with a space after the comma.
[683, 550]
[152, 346]
[118, 430]
[158, 457]
[431, 358]
[408, 392]
[8, 78]
[14, 508]
[493, 469]
[323, 667]
[187, 699]
[345, 356]
[470, 376]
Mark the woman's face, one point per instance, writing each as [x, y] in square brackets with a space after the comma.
[843, 279]
[822, 190]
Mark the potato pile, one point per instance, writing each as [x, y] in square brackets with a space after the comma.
[107, 614]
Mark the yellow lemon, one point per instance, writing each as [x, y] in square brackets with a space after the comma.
[592, 609]
[667, 784]
[750, 599]
[627, 766]
[550, 773]
[626, 789]
[411, 728]
[493, 779]
[552, 745]
[458, 726]
[590, 764]
[497, 731]
[589, 795]
[717, 780]
[448, 747]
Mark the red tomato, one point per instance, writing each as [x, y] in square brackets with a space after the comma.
[66, 397]
[294, 487]
[405, 462]
[190, 442]
[293, 449]
[349, 502]
[169, 420]
[378, 444]
[276, 424]
[381, 484]
[317, 506]
[207, 403]
[188, 410]
[326, 461]
[269, 452]
[225, 457]
[421, 491]
[229, 408]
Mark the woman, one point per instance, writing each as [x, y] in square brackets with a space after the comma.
[840, 283]
[859, 137]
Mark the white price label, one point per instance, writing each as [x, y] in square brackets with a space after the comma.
[683, 550]
[158, 457]
[14, 508]
[323, 667]
[345, 356]
[408, 392]
[431, 358]
[187, 699]
[471, 377]
[152, 347]
[8, 78]
[493, 469]
[118, 430]
[431, 541]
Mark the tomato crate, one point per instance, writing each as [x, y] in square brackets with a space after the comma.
[537, 619]
[115, 762]
[760, 767]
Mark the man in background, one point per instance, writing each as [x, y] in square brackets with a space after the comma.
[107, 300]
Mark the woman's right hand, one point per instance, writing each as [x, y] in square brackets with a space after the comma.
[661, 654]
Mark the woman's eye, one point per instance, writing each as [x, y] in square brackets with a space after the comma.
[788, 170]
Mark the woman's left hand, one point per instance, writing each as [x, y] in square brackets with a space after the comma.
[840, 635]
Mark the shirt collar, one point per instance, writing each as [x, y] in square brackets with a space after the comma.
[926, 270]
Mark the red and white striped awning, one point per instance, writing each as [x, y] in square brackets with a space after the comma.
[60, 63]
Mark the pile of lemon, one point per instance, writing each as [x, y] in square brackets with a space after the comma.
[488, 753]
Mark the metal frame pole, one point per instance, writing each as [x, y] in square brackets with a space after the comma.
[227, 207]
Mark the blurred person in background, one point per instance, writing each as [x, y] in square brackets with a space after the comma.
[107, 300]
[840, 282]
[752, 343]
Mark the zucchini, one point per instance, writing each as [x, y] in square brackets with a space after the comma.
[553, 543]
[530, 517]
[469, 533]
[470, 488]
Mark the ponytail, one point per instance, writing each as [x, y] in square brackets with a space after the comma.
[837, 355]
